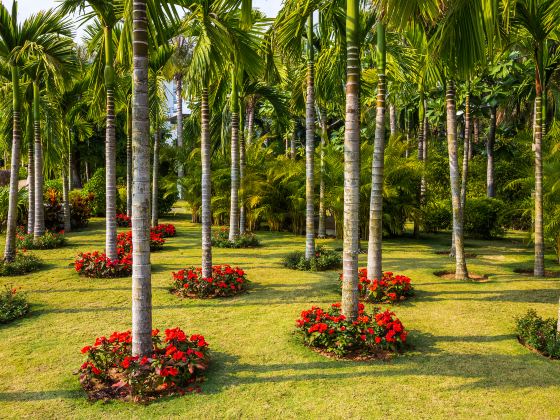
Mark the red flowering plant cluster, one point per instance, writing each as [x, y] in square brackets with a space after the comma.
[225, 281]
[123, 220]
[124, 242]
[97, 265]
[370, 334]
[49, 240]
[391, 288]
[166, 230]
[175, 366]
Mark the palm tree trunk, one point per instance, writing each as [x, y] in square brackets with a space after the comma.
[242, 166]
[39, 228]
[206, 187]
[424, 152]
[179, 106]
[539, 234]
[490, 189]
[421, 145]
[30, 175]
[322, 231]
[461, 272]
[66, 201]
[250, 120]
[293, 145]
[129, 160]
[349, 303]
[110, 152]
[11, 223]
[234, 200]
[155, 174]
[141, 266]
[310, 147]
[393, 119]
[374, 258]
[466, 152]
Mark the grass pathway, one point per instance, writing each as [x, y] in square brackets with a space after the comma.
[466, 361]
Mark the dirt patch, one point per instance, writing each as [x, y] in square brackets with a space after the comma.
[529, 272]
[446, 252]
[474, 277]
[383, 355]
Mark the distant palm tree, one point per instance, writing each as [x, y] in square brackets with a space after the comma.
[37, 29]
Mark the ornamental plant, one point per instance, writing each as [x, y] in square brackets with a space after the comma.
[538, 333]
[123, 220]
[97, 265]
[225, 281]
[49, 240]
[23, 263]
[325, 259]
[370, 334]
[175, 366]
[13, 304]
[124, 242]
[220, 239]
[166, 230]
[391, 288]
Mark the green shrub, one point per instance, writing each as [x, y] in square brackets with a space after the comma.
[22, 172]
[483, 217]
[49, 240]
[166, 200]
[80, 209]
[22, 203]
[325, 259]
[437, 216]
[53, 184]
[121, 200]
[220, 239]
[538, 333]
[24, 263]
[13, 304]
[96, 187]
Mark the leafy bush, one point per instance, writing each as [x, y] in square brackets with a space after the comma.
[121, 199]
[124, 242]
[330, 331]
[325, 259]
[22, 203]
[166, 201]
[437, 216]
[22, 172]
[389, 289]
[13, 304]
[225, 281]
[538, 333]
[97, 265]
[166, 230]
[175, 365]
[96, 187]
[80, 209]
[49, 240]
[24, 263]
[123, 220]
[220, 239]
[482, 217]
[53, 184]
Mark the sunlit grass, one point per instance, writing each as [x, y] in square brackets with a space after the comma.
[465, 362]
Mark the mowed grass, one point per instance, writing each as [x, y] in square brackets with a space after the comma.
[466, 362]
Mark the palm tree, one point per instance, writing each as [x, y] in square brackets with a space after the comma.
[351, 163]
[537, 19]
[36, 29]
[109, 14]
[235, 162]
[141, 266]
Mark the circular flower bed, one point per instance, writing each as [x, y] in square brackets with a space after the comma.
[13, 304]
[124, 242]
[325, 259]
[166, 230]
[49, 240]
[225, 281]
[23, 263]
[220, 239]
[391, 288]
[97, 265]
[123, 220]
[369, 335]
[175, 366]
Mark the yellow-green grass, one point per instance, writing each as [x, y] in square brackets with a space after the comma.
[466, 362]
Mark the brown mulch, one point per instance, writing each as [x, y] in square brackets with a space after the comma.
[474, 277]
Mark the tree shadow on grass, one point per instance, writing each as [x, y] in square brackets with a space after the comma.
[527, 296]
[41, 395]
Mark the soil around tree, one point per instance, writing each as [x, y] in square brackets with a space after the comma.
[446, 252]
[474, 277]
[529, 272]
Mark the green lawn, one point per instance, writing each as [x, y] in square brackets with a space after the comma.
[466, 361]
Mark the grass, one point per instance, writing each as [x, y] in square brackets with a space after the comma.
[466, 362]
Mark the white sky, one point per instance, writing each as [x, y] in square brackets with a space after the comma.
[27, 7]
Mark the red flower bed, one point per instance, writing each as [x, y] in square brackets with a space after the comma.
[166, 230]
[124, 242]
[97, 265]
[123, 220]
[371, 334]
[175, 366]
[225, 281]
[390, 288]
